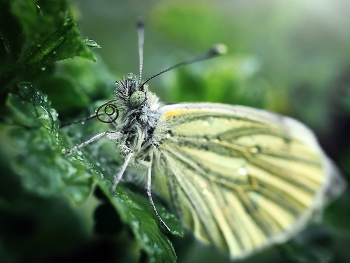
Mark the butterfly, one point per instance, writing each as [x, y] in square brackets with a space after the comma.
[240, 178]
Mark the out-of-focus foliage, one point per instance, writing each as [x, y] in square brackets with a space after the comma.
[291, 58]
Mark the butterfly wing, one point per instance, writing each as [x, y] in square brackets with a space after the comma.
[240, 178]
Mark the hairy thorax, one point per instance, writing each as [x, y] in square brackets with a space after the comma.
[139, 118]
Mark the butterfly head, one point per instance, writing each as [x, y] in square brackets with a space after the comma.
[137, 98]
[130, 94]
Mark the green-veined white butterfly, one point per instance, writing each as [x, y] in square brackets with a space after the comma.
[240, 178]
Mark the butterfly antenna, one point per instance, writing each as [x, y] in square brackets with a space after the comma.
[78, 121]
[108, 109]
[141, 38]
[216, 50]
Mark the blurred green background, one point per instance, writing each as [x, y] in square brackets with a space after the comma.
[292, 58]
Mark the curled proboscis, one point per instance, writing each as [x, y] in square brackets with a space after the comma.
[109, 110]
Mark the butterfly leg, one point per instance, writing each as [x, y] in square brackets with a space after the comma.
[97, 136]
[118, 177]
[149, 193]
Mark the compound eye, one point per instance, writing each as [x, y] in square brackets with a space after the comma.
[137, 98]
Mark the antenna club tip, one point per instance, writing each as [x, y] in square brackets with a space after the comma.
[219, 49]
[140, 23]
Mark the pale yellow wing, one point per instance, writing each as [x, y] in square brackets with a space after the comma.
[240, 178]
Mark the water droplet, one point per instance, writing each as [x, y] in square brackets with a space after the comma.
[255, 149]
[242, 171]
[26, 88]
[205, 191]
[211, 120]
[91, 43]
[38, 10]
[7, 45]
[44, 116]
[71, 171]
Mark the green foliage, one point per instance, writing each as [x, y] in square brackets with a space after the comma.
[42, 191]
[39, 34]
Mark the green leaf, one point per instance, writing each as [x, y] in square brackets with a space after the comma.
[225, 79]
[36, 158]
[135, 210]
[80, 81]
[50, 33]
[23, 113]
[37, 152]
[41, 33]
